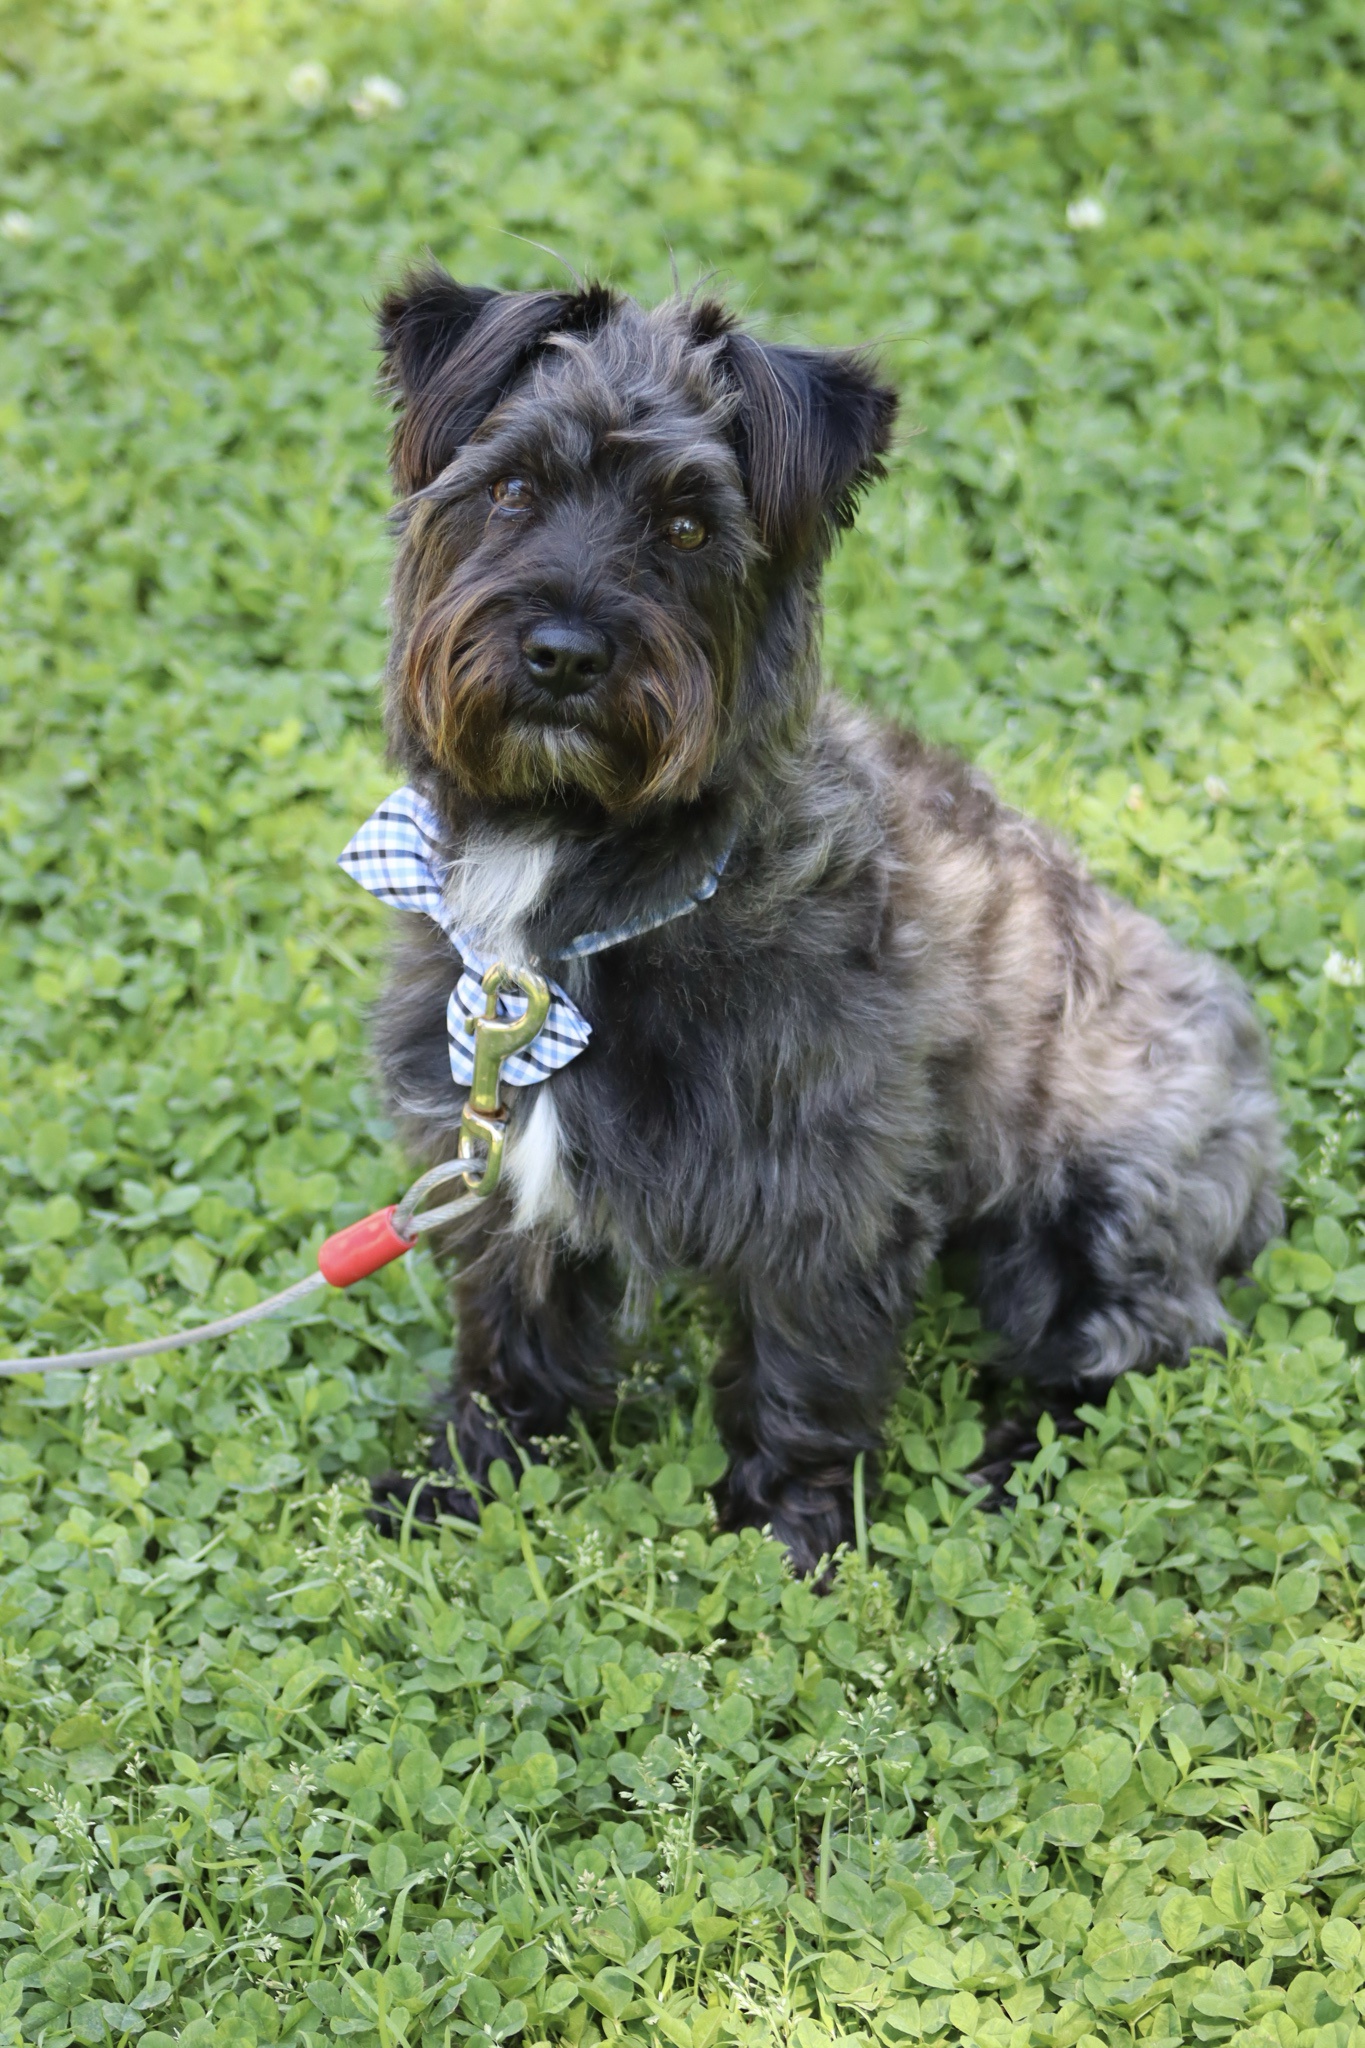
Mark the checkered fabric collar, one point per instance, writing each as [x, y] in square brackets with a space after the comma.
[397, 856]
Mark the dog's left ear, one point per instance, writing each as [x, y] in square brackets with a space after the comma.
[811, 428]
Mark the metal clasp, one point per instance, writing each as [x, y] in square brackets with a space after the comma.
[483, 1127]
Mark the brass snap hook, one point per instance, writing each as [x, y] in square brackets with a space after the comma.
[483, 1127]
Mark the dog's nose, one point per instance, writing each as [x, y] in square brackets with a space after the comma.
[565, 657]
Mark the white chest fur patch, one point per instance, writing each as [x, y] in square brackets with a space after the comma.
[498, 877]
[540, 1193]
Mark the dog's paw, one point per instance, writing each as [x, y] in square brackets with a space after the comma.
[436, 1499]
[811, 1518]
[1010, 1442]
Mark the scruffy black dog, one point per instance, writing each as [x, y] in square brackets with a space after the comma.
[905, 1017]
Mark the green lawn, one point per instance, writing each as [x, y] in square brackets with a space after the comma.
[1086, 1772]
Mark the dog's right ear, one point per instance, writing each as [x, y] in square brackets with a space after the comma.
[452, 351]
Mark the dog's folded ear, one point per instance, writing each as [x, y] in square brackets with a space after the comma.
[811, 427]
[452, 351]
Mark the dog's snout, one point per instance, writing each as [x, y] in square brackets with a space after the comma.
[566, 657]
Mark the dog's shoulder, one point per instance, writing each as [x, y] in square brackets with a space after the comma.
[894, 796]
[897, 766]
[962, 867]
[937, 806]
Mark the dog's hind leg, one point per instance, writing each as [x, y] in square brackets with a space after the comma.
[1159, 1181]
[535, 1341]
[1117, 1272]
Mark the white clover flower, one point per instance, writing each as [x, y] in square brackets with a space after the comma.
[1215, 789]
[377, 95]
[1086, 212]
[1343, 970]
[308, 85]
[16, 226]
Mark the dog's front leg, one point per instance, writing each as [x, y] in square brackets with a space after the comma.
[534, 1343]
[798, 1396]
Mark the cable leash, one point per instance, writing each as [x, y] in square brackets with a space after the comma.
[377, 1240]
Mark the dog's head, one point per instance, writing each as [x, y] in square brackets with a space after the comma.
[604, 510]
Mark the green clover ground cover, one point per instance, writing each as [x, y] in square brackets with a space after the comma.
[1087, 1771]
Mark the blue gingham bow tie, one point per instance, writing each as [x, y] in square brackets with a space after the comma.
[397, 856]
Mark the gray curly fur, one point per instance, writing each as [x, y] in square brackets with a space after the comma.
[906, 1020]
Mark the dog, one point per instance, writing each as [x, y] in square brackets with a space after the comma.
[848, 1008]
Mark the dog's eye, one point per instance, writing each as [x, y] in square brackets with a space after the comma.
[685, 532]
[513, 493]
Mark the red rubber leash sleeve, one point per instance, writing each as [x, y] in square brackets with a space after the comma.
[362, 1248]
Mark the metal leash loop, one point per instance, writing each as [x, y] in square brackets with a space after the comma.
[484, 1123]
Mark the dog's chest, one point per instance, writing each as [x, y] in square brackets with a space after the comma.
[533, 1166]
[498, 877]
[638, 1109]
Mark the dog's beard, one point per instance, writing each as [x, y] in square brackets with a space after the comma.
[648, 736]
